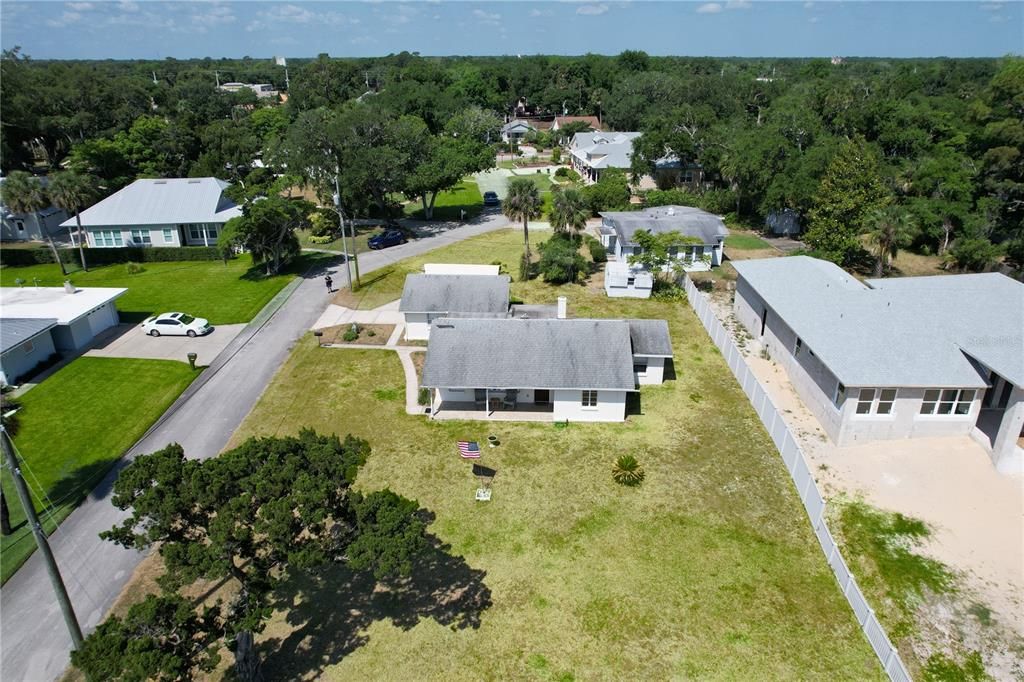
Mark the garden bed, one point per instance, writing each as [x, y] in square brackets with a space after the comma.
[368, 334]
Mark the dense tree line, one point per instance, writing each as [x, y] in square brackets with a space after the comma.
[937, 141]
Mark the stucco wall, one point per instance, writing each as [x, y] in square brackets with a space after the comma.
[417, 328]
[655, 373]
[24, 357]
[611, 406]
[72, 336]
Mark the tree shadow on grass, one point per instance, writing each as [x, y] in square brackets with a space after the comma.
[330, 612]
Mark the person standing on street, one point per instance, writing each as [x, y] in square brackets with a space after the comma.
[330, 284]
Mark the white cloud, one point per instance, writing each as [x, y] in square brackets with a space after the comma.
[709, 8]
[294, 14]
[128, 6]
[592, 10]
[813, 20]
[540, 13]
[80, 6]
[486, 17]
[809, 4]
[64, 19]
[216, 15]
[363, 40]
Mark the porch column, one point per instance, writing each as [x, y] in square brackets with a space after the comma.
[1005, 454]
[206, 235]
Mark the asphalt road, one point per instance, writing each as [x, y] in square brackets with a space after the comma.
[34, 643]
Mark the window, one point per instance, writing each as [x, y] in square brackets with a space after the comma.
[195, 232]
[630, 281]
[638, 250]
[840, 395]
[211, 230]
[168, 236]
[589, 398]
[947, 401]
[20, 225]
[108, 238]
[885, 401]
[864, 400]
[799, 346]
[142, 237]
[640, 366]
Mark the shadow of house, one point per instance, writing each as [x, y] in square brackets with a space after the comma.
[331, 611]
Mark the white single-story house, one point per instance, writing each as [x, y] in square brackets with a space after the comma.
[547, 369]
[515, 130]
[428, 297]
[592, 153]
[162, 212]
[622, 280]
[36, 322]
[25, 227]
[617, 231]
[894, 358]
[262, 90]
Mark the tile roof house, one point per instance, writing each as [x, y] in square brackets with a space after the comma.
[894, 358]
[617, 230]
[591, 153]
[542, 369]
[428, 297]
[160, 212]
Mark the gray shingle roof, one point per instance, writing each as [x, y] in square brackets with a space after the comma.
[909, 331]
[546, 354]
[604, 150]
[650, 338]
[455, 294]
[15, 330]
[169, 201]
[690, 221]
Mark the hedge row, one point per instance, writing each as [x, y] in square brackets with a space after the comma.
[122, 254]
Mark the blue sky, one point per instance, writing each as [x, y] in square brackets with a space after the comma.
[133, 29]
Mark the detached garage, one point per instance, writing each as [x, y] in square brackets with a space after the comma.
[38, 321]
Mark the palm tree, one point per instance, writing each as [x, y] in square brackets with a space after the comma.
[889, 229]
[569, 211]
[523, 202]
[73, 192]
[23, 193]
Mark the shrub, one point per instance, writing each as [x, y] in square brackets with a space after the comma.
[502, 268]
[597, 251]
[556, 157]
[350, 336]
[972, 254]
[371, 333]
[322, 223]
[39, 367]
[627, 471]
[133, 268]
[610, 193]
[560, 260]
[718, 201]
[321, 239]
[121, 254]
[423, 398]
[667, 291]
[561, 172]
[671, 197]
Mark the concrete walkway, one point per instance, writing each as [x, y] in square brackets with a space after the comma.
[35, 640]
[129, 341]
[336, 314]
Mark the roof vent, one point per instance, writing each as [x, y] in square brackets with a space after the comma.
[671, 210]
[445, 326]
[194, 181]
[159, 182]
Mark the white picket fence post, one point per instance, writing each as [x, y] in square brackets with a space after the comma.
[806, 489]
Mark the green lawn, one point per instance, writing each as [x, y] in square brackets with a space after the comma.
[385, 285]
[448, 205]
[746, 242]
[709, 569]
[74, 426]
[224, 294]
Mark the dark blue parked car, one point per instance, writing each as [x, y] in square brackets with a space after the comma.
[386, 238]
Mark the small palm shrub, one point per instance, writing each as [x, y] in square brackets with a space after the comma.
[134, 268]
[627, 471]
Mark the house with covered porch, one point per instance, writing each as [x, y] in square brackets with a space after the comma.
[160, 213]
[894, 358]
[542, 369]
[590, 154]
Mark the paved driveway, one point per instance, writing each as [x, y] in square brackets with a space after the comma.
[129, 341]
[35, 641]
[494, 180]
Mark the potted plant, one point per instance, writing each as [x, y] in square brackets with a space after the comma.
[492, 441]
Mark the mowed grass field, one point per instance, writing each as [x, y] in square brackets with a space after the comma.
[224, 294]
[449, 205]
[73, 427]
[709, 569]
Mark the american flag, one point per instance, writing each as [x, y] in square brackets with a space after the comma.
[469, 449]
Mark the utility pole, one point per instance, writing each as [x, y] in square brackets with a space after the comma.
[355, 256]
[44, 546]
[344, 236]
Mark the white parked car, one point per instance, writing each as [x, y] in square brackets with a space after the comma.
[176, 324]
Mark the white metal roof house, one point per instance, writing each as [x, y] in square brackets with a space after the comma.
[591, 153]
[24, 227]
[894, 358]
[617, 230]
[427, 297]
[160, 212]
[36, 322]
[541, 369]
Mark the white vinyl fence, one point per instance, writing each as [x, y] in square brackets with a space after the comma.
[796, 464]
